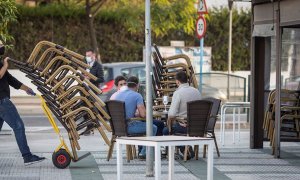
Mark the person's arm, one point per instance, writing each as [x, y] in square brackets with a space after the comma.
[140, 106]
[142, 110]
[173, 111]
[174, 108]
[12, 81]
[4, 68]
[99, 75]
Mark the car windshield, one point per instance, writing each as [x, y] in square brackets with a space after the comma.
[107, 73]
[135, 71]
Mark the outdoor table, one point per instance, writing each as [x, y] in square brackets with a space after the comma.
[233, 105]
[157, 142]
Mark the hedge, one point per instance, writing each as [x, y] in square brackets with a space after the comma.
[66, 26]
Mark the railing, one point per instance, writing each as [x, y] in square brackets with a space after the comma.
[217, 84]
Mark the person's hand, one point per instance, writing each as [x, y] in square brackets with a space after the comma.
[5, 62]
[29, 91]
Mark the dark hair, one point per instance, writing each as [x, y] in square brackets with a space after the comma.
[181, 77]
[118, 79]
[90, 50]
[132, 82]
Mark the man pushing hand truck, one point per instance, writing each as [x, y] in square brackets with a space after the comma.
[9, 113]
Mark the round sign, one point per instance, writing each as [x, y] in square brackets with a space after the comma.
[201, 27]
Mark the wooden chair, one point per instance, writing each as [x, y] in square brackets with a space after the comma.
[116, 110]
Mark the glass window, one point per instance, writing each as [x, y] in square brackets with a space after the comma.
[135, 71]
[290, 59]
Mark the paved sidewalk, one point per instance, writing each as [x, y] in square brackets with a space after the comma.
[237, 161]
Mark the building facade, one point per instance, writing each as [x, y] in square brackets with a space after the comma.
[275, 60]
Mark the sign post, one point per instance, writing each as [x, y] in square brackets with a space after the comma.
[201, 30]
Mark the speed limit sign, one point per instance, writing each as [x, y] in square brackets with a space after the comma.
[201, 27]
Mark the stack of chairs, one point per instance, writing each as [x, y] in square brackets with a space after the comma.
[163, 78]
[60, 76]
[289, 120]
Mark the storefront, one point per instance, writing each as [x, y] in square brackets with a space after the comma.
[275, 60]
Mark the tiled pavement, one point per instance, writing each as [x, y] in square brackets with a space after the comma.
[236, 162]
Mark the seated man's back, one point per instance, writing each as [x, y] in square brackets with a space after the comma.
[132, 99]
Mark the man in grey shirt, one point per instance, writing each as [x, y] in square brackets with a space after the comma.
[178, 109]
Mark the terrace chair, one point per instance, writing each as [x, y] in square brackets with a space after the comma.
[116, 110]
[198, 115]
[210, 128]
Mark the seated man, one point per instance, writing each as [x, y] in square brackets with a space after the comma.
[178, 108]
[120, 83]
[133, 100]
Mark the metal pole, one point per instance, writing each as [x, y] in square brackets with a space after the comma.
[278, 85]
[230, 3]
[201, 63]
[149, 120]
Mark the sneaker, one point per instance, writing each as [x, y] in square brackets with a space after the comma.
[142, 157]
[32, 159]
[190, 153]
[88, 132]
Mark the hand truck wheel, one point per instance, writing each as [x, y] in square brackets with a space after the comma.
[61, 159]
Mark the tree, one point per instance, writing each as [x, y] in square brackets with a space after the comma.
[166, 15]
[92, 9]
[8, 12]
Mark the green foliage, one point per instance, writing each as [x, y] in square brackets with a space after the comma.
[217, 37]
[8, 12]
[53, 10]
[120, 30]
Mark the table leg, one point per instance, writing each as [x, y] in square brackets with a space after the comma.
[239, 124]
[221, 123]
[119, 161]
[210, 161]
[223, 130]
[157, 163]
[233, 125]
[171, 162]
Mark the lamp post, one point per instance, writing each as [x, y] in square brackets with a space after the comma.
[149, 122]
[230, 4]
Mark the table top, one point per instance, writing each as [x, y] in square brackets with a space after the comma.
[236, 103]
[164, 138]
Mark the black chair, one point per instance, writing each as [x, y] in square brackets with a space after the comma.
[210, 128]
[116, 110]
[198, 114]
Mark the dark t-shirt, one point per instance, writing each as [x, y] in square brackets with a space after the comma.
[6, 81]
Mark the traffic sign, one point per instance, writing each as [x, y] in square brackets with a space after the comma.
[201, 8]
[201, 27]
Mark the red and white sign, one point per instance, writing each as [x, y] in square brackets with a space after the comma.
[201, 27]
[201, 7]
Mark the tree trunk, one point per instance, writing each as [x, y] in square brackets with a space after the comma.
[92, 31]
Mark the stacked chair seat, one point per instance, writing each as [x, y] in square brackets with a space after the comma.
[60, 76]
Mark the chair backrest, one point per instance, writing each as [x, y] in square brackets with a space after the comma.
[213, 114]
[116, 110]
[198, 113]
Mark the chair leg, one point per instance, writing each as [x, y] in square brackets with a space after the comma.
[204, 151]
[196, 150]
[185, 153]
[133, 152]
[111, 147]
[217, 148]
[128, 153]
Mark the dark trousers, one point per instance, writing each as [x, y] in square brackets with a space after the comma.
[176, 128]
[10, 115]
